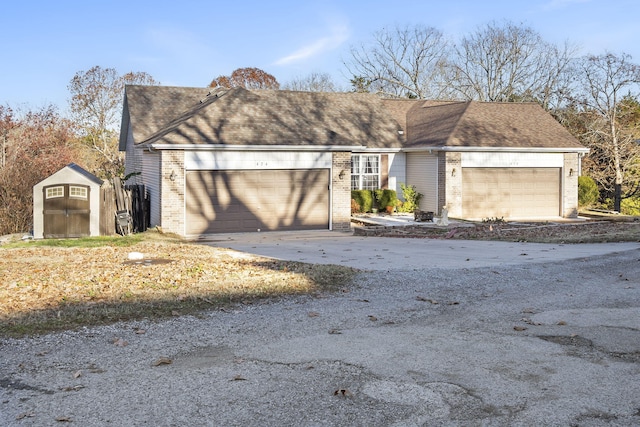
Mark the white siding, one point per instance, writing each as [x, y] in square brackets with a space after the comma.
[132, 160]
[397, 171]
[151, 178]
[422, 172]
[250, 160]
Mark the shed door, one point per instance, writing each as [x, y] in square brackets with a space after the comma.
[511, 192]
[230, 201]
[66, 211]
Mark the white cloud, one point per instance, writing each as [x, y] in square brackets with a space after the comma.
[338, 35]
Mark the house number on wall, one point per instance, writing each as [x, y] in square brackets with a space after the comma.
[261, 163]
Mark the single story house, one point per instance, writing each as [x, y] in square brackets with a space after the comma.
[235, 160]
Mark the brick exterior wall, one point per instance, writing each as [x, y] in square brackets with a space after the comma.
[341, 194]
[570, 186]
[172, 207]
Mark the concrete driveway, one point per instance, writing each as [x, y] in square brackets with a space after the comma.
[387, 253]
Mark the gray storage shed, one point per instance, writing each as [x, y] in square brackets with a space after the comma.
[67, 204]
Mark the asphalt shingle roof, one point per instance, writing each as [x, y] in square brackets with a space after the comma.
[486, 125]
[265, 117]
[179, 115]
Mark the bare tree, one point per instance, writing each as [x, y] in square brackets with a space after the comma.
[403, 62]
[314, 82]
[96, 107]
[41, 142]
[508, 63]
[248, 78]
[608, 89]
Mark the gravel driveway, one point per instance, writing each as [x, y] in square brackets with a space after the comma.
[545, 343]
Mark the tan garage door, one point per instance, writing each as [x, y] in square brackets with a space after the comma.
[252, 200]
[510, 192]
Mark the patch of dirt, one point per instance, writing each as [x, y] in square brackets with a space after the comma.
[583, 232]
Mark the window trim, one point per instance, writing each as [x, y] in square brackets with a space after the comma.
[55, 192]
[359, 161]
[82, 190]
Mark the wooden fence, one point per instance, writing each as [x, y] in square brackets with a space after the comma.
[107, 210]
[132, 199]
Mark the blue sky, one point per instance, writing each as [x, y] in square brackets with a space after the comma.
[188, 43]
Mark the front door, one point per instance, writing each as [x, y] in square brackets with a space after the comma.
[66, 211]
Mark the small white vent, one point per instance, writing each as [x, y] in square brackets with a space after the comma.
[216, 93]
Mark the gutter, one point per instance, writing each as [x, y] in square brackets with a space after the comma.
[225, 147]
[583, 150]
[354, 148]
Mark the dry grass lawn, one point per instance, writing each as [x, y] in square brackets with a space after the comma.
[45, 288]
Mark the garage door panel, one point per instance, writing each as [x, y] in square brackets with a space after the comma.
[511, 192]
[248, 200]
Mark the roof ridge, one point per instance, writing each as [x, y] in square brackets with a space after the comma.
[215, 92]
[506, 102]
[190, 112]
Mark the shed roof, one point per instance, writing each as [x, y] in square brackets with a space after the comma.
[85, 173]
[66, 172]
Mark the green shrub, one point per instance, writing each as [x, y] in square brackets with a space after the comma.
[364, 198]
[588, 193]
[385, 198]
[630, 206]
[411, 198]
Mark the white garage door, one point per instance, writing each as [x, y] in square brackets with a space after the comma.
[251, 200]
[510, 193]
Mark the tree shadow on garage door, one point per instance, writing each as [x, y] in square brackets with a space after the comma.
[223, 201]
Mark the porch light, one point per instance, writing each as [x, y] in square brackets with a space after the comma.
[571, 172]
[172, 177]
